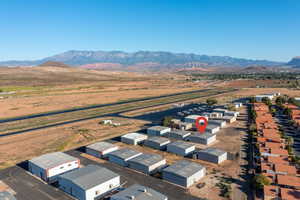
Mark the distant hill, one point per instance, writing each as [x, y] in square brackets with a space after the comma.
[154, 60]
[295, 62]
[53, 64]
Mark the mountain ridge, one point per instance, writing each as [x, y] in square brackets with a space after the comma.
[163, 58]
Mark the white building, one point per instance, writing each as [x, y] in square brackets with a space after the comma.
[138, 192]
[147, 163]
[184, 173]
[100, 149]
[49, 166]
[229, 119]
[231, 113]
[156, 142]
[204, 138]
[122, 156]
[259, 98]
[133, 138]
[212, 155]
[212, 128]
[158, 130]
[192, 118]
[181, 148]
[238, 105]
[89, 183]
[221, 123]
[178, 134]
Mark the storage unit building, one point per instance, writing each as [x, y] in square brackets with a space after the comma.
[185, 126]
[204, 138]
[138, 192]
[229, 119]
[212, 155]
[221, 123]
[231, 113]
[181, 148]
[184, 173]
[158, 130]
[212, 128]
[49, 166]
[89, 183]
[100, 149]
[122, 156]
[178, 134]
[147, 163]
[157, 142]
[133, 138]
[192, 118]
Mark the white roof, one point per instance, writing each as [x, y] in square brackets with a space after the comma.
[134, 136]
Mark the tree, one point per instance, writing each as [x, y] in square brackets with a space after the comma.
[252, 100]
[266, 100]
[260, 181]
[167, 121]
[279, 101]
[287, 111]
[211, 101]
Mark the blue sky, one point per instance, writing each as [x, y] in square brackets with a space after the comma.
[258, 29]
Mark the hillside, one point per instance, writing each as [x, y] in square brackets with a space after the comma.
[158, 59]
[295, 62]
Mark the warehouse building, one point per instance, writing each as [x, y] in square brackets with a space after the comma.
[157, 142]
[89, 183]
[178, 134]
[220, 110]
[49, 166]
[122, 156]
[204, 138]
[100, 149]
[180, 148]
[229, 119]
[147, 163]
[192, 118]
[138, 192]
[212, 155]
[133, 138]
[184, 173]
[212, 128]
[220, 123]
[158, 130]
[231, 113]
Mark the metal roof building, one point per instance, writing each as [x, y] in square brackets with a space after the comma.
[184, 173]
[181, 148]
[139, 192]
[212, 128]
[49, 166]
[178, 134]
[133, 138]
[147, 163]
[100, 149]
[156, 142]
[220, 123]
[89, 182]
[192, 118]
[158, 130]
[121, 156]
[212, 155]
[203, 138]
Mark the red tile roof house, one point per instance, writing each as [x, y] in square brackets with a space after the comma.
[292, 182]
[285, 169]
[289, 194]
[271, 192]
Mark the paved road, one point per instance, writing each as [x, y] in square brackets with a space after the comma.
[131, 177]
[28, 187]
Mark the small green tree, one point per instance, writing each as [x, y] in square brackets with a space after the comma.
[259, 181]
[267, 101]
[252, 100]
[167, 121]
[279, 101]
[211, 101]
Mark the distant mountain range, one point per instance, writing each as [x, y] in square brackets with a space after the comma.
[295, 62]
[148, 59]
